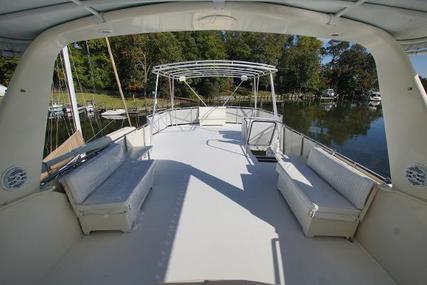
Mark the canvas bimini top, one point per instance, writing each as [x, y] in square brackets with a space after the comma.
[214, 68]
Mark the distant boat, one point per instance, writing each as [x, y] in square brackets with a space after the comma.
[116, 112]
[328, 94]
[56, 110]
[3, 90]
[375, 96]
[81, 108]
[89, 108]
[114, 117]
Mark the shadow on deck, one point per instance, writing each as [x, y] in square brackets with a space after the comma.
[214, 213]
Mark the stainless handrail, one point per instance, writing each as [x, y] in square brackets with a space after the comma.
[150, 118]
[341, 156]
[91, 146]
[73, 154]
[254, 119]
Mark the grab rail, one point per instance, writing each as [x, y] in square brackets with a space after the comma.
[91, 148]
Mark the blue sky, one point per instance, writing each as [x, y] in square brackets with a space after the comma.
[420, 64]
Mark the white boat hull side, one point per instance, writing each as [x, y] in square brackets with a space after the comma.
[394, 233]
[117, 112]
[36, 232]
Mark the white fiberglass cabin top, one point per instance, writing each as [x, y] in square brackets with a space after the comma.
[219, 193]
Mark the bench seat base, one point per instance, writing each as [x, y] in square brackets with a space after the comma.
[320, 209]
[313, 226]
[107, 222]
[115, 205]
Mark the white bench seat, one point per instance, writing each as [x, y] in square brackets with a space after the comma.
[327, 197]
[107, 191]
[118, 191]
[316, 196]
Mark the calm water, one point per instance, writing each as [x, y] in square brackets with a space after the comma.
[355, 130]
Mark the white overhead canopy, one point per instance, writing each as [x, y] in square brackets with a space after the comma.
[22, 21]
[213, 68]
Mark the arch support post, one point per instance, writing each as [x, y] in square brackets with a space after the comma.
[71, 91]
[273, 96]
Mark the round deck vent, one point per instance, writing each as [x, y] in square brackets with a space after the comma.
[416, 175]
[13, 178]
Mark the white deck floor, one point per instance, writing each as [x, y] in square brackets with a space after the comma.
[214, 214]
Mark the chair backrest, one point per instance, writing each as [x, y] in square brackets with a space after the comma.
[85, 179]
[349, 182]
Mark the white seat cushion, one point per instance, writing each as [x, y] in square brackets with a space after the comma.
[115, 195]
[318, 197]
[82, 181]
[352, 184]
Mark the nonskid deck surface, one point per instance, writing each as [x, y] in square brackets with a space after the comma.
[214, 214]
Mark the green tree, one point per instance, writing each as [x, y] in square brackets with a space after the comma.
[424, 82]
[299, 66]
[91, 65]
[200, 46]
[256, 47]
[137, 54]
[334, 50]
[354, 73]
[7, 68]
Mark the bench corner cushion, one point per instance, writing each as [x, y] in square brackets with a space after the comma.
[350, 183]
[86, 178]
[296, 200]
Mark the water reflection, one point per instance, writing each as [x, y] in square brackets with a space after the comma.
[328, 106]
[355, 129]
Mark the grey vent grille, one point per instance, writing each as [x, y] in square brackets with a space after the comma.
[416, 175]
[13, 178]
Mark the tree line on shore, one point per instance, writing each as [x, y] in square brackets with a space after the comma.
[305, 64]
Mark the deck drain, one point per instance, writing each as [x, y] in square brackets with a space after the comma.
[266, 159]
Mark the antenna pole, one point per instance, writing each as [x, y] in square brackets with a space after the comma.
[119, 85]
